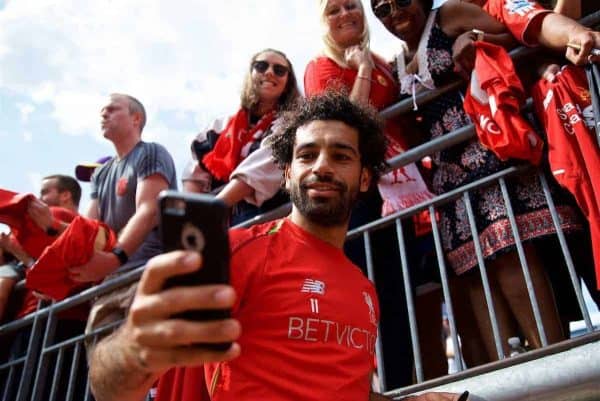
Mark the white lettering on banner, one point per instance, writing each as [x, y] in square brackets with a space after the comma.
[317, 330]
[488, 125]
[521, 7]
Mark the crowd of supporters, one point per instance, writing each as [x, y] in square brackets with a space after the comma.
[60, 252]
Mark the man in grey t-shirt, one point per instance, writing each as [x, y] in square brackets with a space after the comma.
[124, 190]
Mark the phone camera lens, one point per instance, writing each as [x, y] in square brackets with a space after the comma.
[192, 238]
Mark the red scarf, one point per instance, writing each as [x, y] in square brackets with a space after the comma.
[227, 153]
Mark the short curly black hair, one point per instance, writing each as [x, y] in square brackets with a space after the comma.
[332, 105]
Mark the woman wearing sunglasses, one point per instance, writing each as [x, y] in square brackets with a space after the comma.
[269, 87]
[427, 63]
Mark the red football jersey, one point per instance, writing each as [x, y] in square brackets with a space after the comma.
[309, 320]
[493, 102]
[517, 15]
[565, 108]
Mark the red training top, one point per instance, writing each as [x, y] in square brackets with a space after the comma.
[309, 320]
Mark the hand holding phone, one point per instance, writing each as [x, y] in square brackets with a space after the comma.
[199, 223]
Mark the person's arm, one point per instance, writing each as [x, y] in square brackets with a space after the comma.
[431, 396]
[145, 217]
[235, 191]
[256, 179]
[555, 31]
[93, 211]
[131, 236]
[362, 61]
[569, 8]
[463, 49]
[195, 179]
[10, 244]
[458, 19]
[125, 364]
[6, 287]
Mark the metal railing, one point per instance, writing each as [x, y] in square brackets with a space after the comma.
[27, 376]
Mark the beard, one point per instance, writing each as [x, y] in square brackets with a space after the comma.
[324, 211]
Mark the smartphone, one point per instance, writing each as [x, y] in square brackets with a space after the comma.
[197, 222]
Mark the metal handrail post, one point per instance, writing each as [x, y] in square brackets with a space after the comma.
[42, 370]
[378, 346]
[31, 357]
[410, 305]
[524, 265]
[445, 287]
[566, 253]
[487, 290]
[73, 371]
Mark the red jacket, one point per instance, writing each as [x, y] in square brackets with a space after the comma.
[564, 107]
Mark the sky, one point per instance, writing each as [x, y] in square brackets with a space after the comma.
[184, 59]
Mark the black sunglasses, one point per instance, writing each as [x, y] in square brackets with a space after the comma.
[384, 9]
[278, 69]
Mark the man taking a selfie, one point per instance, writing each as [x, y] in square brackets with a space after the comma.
[304, 318]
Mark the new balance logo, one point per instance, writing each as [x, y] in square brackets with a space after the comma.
[313, 286]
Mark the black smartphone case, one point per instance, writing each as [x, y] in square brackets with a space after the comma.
[197, 222]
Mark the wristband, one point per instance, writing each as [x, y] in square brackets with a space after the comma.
[479, 34]
[120, 254]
